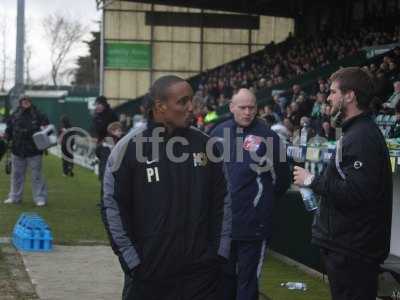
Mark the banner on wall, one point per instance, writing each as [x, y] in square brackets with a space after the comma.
[129, 56]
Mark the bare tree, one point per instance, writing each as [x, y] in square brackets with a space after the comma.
[5, 60]
[63, 33]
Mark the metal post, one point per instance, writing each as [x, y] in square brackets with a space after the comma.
[102, 35]
[19, 56]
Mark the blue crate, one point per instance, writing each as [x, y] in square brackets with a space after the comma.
[31, 233]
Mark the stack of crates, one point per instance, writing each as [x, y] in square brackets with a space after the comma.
[31, 233]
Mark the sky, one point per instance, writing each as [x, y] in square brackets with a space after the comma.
[35, 11]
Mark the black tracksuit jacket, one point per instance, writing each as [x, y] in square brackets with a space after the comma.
[166, 220]
[356, 206]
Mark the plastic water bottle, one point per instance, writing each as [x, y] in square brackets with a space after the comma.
[294, 285]
[309, 199]
[304, 135]
[48, 239]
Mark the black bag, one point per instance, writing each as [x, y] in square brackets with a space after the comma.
[8, 165]
[5, 151]
[3, 148]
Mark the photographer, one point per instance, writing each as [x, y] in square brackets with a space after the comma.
[21, 125]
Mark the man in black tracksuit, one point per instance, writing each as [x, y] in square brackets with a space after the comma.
[165, 204]
[354, 222]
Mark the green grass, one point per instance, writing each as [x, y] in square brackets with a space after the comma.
[74, 216]
[275, 272]
[71, 212]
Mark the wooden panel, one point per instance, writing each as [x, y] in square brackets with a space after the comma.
[125, 84]
[183, 75]
[215, 55]
[176, 56]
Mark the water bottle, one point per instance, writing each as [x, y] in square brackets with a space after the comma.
[304, 135]
[48, 239]
[309, 199]
[294, 285]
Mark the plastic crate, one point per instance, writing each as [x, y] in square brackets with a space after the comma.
[31, 233]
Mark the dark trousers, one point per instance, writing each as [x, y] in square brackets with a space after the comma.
[242, 272]
[350, 278]
[67, 166]
[204, 283]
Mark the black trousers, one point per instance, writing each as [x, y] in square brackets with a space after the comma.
[67, 166]
[202, 283]
[242, 272]
[350, 278]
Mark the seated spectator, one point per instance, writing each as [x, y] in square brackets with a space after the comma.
[395, 131]
[316, 111]
[294, 115]
[327, 131]
[297, 92]
[394, 98]
[269, 110]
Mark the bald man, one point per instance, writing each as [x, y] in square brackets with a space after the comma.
[257, 175]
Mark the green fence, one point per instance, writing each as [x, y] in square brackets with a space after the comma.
[76, 108]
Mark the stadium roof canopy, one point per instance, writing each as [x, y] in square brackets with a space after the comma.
[288, 8]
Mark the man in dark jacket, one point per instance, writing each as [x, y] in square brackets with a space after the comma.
[21, 125]
[165, 204]
[354, 222]
[103, 116]
[257, 175]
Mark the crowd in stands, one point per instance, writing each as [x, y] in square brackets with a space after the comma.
[296, 108]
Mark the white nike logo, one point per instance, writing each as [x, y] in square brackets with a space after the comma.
[149, 162]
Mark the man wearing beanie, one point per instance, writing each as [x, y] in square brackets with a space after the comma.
[21, 125]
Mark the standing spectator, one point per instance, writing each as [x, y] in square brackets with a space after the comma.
[67, 142]
[103, 117]
[353, 225]
[114, 134]
[21, 125]
[254, 185]
[165, 204]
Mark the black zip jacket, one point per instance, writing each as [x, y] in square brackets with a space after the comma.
[356, 206]
[21, 126]
[165, 218]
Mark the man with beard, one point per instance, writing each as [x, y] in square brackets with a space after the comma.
[353, 224]
[21, 125]
[165, 204]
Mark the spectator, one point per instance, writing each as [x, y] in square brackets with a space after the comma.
[395, 130]
[394, 98]
[254, 185]
[67, 142]
[168, 221]
[114, 134]
[103, 116]
[21, 125]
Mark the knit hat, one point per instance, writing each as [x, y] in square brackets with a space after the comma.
[101, 100]
[25, 98]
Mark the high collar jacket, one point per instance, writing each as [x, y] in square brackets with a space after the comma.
[165, 216]
[356, 188]
[257, 174]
